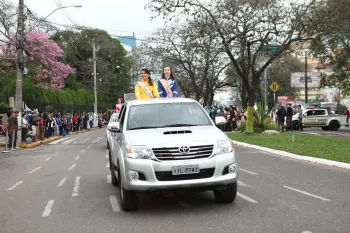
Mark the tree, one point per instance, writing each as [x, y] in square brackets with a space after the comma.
[198, 61]
[113, 64]
[245, 28]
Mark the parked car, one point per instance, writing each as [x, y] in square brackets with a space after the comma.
[113, 119]
[324, 119]
[162, 144]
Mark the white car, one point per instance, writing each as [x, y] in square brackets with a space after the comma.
[170, 143]
[113, 118]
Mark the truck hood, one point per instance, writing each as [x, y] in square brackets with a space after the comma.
[173, 135]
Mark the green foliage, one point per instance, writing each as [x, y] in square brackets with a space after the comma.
[339, 78]
[241, 127]
[260, 115]
[268, 125]
[3, 107]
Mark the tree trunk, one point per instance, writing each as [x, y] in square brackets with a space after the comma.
[251, 101]
[211, 98]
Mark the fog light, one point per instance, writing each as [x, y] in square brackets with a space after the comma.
[232, 168]
[133, 175]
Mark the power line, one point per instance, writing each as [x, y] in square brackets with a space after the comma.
[64, 11]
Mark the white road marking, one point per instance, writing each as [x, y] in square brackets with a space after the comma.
[68, 141]
[107, 164]
[246, 198]
[240, 183]
[47, 159]
[106, 156]
[114, 203]
[75, 142]
[89, 147]
[109, 179]
[48, 208]
[306, 232]
[76, 158]
[243, 170]
[62, 182]
[82, 151]
[14, 186]
[312, 133]
[34, 170]
[57, 141]
[71, 167]
[306, 193]
[183, 203]
[76, 187]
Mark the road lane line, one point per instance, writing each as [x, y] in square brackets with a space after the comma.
[114, 203]
[62, 182]
[106, 156]
[306, 193]
[48, 208]
[82, 151]
[14, 186]
[68, 141]
[57, 141]
[76, 186]
[71, 167]
[246, 198]
[32, 171]
[76, 158]
[240, 183]
[89, 147]
[244, 170]
[107, 164]
[109, 179]
[47, 159]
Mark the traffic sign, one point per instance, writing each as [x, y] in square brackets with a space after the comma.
[274, 86]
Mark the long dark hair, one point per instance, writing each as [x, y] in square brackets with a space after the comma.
[171, 73]
[147, 71]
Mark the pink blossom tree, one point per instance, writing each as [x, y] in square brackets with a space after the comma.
[42, 58]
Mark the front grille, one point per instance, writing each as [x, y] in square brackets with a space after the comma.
[172, 153]
[168, 176]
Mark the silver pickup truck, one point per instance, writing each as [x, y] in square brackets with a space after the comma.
[167, 144]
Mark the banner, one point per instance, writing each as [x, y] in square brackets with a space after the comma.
[313, 80]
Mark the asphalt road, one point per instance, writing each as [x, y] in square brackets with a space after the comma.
[343, 132]
[66, 188]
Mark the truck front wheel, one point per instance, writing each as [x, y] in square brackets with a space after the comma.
[228, 195]
[334, 126]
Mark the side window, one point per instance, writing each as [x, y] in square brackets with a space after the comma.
[121, 113]
[310, 113]
[122, 118]
[320, 112]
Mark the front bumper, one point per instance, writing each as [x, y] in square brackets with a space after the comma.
[150, 168]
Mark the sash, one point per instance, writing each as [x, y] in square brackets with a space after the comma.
[167, 88]
[145, 89]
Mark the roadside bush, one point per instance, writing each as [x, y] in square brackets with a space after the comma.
[268, 125]
[241, 127]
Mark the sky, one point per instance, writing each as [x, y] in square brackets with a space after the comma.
[118, 17]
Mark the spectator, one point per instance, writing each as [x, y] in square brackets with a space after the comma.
[347, 114]
[12, 128]
[281, 114]
[25, 127]
[289, 117]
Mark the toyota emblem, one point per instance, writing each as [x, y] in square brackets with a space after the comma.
[184, 149]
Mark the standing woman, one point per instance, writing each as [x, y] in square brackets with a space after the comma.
[146, 88]
[167, 85]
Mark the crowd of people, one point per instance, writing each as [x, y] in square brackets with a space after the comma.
[36, 126]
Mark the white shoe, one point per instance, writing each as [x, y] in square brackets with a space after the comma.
[13, 149]
[16, 147]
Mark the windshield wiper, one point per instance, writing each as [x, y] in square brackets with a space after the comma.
[144, 127]
[177, 125]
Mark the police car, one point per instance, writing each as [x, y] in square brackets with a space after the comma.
[324, 119]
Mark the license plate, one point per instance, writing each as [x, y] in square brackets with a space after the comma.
[181, 170]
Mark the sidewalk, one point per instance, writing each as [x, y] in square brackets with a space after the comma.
[45, 141]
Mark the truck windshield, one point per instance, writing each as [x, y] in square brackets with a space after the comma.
[166, 115]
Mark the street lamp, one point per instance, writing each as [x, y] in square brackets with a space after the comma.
[63, 7]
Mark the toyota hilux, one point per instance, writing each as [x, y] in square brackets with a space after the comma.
[170, 144]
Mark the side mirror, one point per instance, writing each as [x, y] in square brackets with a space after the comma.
[114, 127]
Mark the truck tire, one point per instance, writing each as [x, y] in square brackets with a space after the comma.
[325, 128]
[128, 199]
[228, 195]
[334, 126]
[107, 145]
[114, 179]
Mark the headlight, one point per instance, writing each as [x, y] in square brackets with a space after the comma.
[223, 147]
[138, 152]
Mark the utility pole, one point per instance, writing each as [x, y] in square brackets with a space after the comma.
[95, 85]
[265, 96]
[20, 62]
[306, 80]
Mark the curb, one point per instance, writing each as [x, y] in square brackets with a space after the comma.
[294, 156]
[46, 141]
